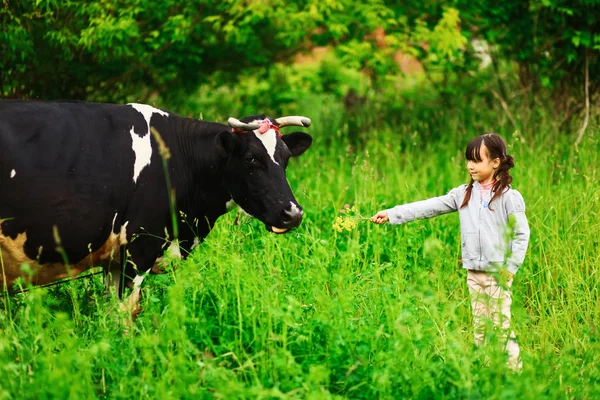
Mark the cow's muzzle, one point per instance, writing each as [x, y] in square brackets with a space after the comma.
[290, 217]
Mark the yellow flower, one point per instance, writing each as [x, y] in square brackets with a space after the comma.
[349, 220]
[337, 225]
[349, 224]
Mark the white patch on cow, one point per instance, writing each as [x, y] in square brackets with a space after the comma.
[113, 223]
[147, 112]
[294, 209]
[141, 145]
[174, 250]
[269, 140]
[123, 234]
[137, 281]
[132, 303]
[230, 205]
[172, 253]
[13, 173]
[143, 153]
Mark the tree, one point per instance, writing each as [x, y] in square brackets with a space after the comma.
[112, 51]
[552, 42]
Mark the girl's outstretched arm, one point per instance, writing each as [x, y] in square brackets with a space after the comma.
[422, 209]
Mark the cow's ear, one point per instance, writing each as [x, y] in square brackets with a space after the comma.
[297, 142]
[225, 142]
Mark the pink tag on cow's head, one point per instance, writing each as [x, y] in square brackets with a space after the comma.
[265, 125]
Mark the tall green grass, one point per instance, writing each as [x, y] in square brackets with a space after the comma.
[376, 312]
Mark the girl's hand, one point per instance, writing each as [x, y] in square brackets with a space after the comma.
[380, 218]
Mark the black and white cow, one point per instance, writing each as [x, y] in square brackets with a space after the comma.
[84, 184]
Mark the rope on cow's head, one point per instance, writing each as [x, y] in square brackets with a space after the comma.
[262, 126]
[266, 124]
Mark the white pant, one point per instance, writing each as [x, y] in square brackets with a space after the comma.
[490, 301]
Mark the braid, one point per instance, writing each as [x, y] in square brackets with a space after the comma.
[503, 177]
[467, 194]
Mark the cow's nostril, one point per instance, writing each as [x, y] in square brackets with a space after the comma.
[292, 215]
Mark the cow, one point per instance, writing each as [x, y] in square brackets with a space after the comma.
[85, 185]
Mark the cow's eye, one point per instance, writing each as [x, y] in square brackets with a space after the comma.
[250, 160]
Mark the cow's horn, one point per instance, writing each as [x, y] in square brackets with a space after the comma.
[237, 124]
[293, 121]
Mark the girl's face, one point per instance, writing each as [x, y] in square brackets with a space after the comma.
[483, 171]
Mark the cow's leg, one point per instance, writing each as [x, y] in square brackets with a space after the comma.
[113, 279]
[139, 259]
[113, 274]
[173, 253]
[132, 304]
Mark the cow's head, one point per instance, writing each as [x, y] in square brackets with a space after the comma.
[257, 156]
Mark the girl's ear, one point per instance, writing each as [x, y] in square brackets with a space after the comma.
[496, 163]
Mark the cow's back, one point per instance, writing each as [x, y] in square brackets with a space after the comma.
[65, 177]
[62, 138]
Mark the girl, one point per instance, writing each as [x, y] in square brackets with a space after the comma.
[491, 247]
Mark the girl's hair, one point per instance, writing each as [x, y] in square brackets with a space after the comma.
[496, 148]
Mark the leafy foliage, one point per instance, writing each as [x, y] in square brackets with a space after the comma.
[548, 39]
[137, 49]
[110, 50]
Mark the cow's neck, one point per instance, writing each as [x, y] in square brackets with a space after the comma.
[199, 165]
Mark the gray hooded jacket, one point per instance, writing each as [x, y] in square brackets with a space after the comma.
[488, 240]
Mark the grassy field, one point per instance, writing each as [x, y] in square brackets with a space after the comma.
[373, 312]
